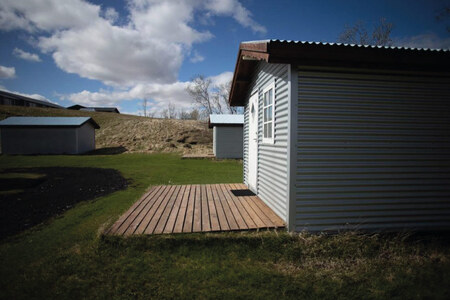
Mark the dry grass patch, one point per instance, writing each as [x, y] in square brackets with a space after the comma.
[133, 134]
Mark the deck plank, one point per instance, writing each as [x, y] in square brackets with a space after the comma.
[175, 210]
[226, 208]
[275, 219]
[147, 216]
[189, 219]
[197, 225]
[243, 212]
[133, 215]
[248, 207]
[195, 208]
[182, 212]
[125, 216]
[267, 222]
[138, 219]
[166, 212]
[220, 211]
[206, 223]
[215, 226]
[240, 223]
[156, 213]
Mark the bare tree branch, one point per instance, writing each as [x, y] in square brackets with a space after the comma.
[358, 34]
[211, 99]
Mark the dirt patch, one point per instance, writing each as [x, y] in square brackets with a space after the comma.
[36, 200]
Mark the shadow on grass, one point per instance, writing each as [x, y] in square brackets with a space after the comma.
[28, 200]
[108, 151]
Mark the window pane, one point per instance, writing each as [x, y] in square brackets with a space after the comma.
[265, 98]
[270, 97]
[265, 115]
[269, 130]
[269, 113]
[265, 130]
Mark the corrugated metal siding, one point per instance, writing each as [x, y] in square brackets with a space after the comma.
[373, 151]
[272, 158]
[245, 144]
[228, 141]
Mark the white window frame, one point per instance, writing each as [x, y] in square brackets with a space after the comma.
[268, 140]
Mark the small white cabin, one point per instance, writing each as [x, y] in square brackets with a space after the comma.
[227, 135]
[345, 136]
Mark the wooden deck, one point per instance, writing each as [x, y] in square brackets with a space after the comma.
[196, 208]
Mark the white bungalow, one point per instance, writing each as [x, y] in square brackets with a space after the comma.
[345, 136]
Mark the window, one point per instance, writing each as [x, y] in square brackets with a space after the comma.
[268, 113]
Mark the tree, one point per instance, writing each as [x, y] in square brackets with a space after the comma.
[358, 34]
[211, 99]
[170, 112]
[195, 114]
[198, 89]
[144, 107]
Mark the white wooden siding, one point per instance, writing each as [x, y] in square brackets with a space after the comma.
[373, 151]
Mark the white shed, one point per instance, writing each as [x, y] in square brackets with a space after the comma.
[48, 135]
[345, 136]
[227, 135]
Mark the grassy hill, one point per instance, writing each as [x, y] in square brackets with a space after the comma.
[133, 133]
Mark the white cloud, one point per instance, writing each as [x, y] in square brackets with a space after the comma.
[221, 79]
[26, 55]
[168, 20]
[111, 15]
[196, 57]
[114, 55]
[160, 94]
[426, 40]
[46, 15]
[7, 72]
[83, 38]
[234, 9]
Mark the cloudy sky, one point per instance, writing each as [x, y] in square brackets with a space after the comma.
[116, 52]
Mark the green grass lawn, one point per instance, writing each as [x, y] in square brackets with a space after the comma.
[67, 257]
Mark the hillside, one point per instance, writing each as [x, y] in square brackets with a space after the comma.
[133, 133]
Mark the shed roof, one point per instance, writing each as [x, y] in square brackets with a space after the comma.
[224, 120]
[330, 54]
[47, 122]
[20, 97]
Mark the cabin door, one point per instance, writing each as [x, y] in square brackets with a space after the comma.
[253, 143]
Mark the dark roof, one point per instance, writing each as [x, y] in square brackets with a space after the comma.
[226, 120]
[20, 97]
[102, 109]
[76, 107]
[47, 122]
[330, 54]
[91, 108]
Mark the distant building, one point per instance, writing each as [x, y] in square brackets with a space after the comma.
[48, 135]
[7, 98]
[227, 135]
[96, 109]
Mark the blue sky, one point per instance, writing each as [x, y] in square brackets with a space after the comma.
[115, 53]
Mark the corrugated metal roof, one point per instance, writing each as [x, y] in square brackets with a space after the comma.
[226, 119]
[17, 96]
[47, 121]
[344, 45]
